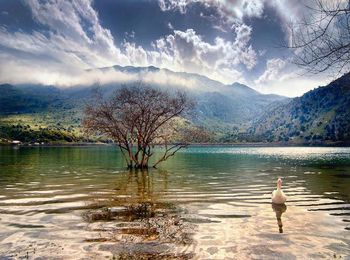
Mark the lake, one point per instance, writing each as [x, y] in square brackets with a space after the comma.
[206, 202]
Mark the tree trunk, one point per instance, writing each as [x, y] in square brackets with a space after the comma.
[141, 166]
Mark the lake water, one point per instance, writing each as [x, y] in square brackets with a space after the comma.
[203, 203]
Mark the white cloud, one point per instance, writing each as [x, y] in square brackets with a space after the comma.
[292, 85]
[278, 78]
[38, 73]
[167, 5]
[76, 23]
[170, 26]
[233, 11]
[75, 40]
[187, 51]
[130, 35]
[228, 9]
[273, 69]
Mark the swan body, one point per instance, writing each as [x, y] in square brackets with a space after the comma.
[278, 197]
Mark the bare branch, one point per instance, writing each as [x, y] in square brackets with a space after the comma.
[321, 41]
[137, 118]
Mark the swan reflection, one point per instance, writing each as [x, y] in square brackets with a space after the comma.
[279, 209]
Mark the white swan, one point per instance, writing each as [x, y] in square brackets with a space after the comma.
[278, 196]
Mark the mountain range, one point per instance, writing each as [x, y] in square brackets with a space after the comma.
[233, 113]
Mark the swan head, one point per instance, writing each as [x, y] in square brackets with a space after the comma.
[279, 183]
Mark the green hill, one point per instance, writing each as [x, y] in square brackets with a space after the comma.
[51, 109]
[319, 116]
[34, 113]
[235, 113]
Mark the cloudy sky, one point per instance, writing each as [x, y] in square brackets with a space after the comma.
[55, 41]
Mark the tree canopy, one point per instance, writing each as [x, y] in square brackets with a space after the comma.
[138, 118]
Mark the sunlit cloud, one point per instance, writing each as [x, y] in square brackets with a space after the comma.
[75, 40]
[72, 38]
[273, 69]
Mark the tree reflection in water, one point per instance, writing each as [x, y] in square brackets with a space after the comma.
[279, 209]
[137, 217]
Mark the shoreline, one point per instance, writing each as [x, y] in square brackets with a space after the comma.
[334, 144]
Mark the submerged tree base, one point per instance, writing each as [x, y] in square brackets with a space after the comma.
[148, 256]
[142, 223]
[142, 231]
[138, 167]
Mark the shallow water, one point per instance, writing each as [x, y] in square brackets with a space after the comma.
[217, 199]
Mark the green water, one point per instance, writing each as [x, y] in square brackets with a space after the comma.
[221, 196]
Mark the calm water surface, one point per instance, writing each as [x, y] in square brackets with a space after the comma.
[205, 203]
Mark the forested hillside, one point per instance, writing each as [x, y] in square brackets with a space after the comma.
[232, 113]
[321, 115]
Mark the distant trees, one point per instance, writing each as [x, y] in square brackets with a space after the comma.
[26, 134]
[322, 38]
[138, 118]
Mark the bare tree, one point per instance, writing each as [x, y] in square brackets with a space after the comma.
[138, 118]
[322, 38]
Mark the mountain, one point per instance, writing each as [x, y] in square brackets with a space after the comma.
[234, 112]
[319, 116]
[219, 107]
[231, 104]
[27, 99]
[216, 102]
